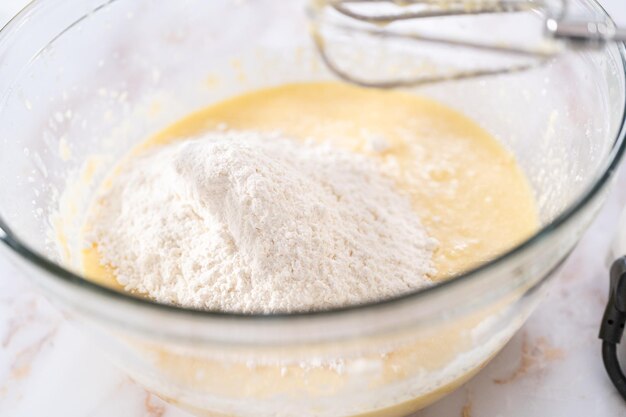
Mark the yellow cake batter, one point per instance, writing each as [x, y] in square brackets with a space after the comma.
[467, 189]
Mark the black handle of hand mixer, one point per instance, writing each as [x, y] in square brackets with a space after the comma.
[612, 327]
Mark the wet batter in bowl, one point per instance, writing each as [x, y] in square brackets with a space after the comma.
[466, 189]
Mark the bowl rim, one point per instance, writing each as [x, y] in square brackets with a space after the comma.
[27, 253]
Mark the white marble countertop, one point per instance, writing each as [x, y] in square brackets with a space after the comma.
[551, 368]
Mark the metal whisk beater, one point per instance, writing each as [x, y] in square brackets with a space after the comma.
[392, 22]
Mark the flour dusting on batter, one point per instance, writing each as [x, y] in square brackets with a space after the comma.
[255, 222]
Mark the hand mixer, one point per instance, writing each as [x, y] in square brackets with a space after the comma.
[409, 36]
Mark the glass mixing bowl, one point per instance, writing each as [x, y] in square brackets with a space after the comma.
[82, 81]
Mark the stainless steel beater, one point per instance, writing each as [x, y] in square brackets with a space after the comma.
[398, 23]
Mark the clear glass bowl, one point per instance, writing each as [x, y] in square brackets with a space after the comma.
[83, 81]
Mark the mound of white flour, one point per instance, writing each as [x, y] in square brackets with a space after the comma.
[256, 223]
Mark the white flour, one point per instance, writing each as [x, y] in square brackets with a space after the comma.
[256, 223]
